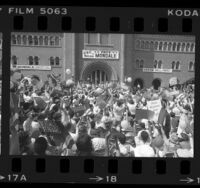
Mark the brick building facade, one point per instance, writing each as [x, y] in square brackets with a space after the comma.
[148, 59]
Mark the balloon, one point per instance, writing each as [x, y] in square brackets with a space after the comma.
[129, 79]
[69, 83]
[68, 71]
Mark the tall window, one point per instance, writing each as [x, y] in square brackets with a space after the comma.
[0, 44]
[92, 38]
[14, 40]
[46, 41]
[165, 46]
[30, 60]
[19, 39]
[36, 42]
[57, 61]
[137, 63]
[14, 60]
[54, 61]
[104, 38]
[191, 66]
[183, 47]
[160, 45]
[141, 64]
[187, 47]
[30, 40]
[177, 65]
[24, 39]
[57, 41]
[41, 40]
[174, 47]
[173, 65]
[155, 64]
[179, 47]
[160, 64]
[169, 46]
[51, 59]
[52, 41]
[192, 47]
[156, 46]
[36, 60]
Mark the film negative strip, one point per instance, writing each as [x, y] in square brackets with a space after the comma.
[99, 95]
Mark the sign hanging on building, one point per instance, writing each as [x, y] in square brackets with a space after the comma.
[157, 70]
[100, 54]
[33, 67]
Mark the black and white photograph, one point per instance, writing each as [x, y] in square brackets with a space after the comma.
[102, 94]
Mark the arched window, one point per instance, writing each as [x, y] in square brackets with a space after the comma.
[57, 61]
[36, 60]
[177, 65]
[179, 47]
[24, 39]
[41, 41]
[30, 60]
[151, 45]
[160, 46]
[137, 63]
[165, 46]
[46, 40]
[191, 66]
[52, 41]
[170, 46]
[187, 47]
[14, 60]
[141, 64]
[192, 47]
[142, 45]
[57, 41]
[173, 65]
[160, 64]
[30, 40]
[155, 64]
[13, 38]
[174, 47]
[19, 39]
[36, 42]
[156, 46]
[183, 47]
[51, 61]
[147, 45]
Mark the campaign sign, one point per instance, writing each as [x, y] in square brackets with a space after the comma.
[155, 106]
[144, 114]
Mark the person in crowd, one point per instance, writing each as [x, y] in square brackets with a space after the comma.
[56, 117]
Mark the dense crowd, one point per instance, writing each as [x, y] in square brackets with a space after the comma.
[84, 119]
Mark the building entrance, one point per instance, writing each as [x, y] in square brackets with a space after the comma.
[97, 76]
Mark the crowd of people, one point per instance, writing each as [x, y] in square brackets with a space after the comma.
[65, 118]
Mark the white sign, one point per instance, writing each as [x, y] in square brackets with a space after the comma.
[33, 67]
[155, 106]
[157, 70]
[100, 54]
[173, 81]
